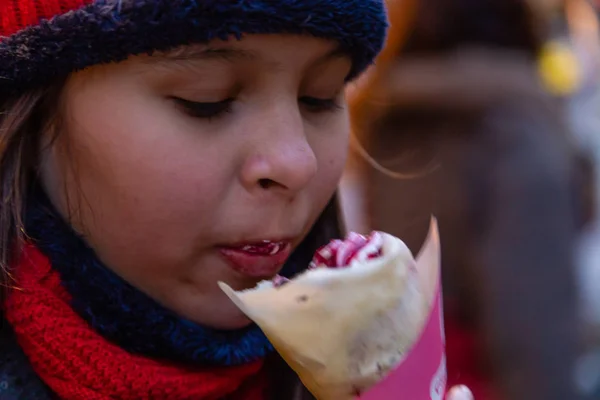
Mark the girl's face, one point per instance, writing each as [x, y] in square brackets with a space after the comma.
[176, 167]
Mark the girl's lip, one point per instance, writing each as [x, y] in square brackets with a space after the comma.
[257, 260]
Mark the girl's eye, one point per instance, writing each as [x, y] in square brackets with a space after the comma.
[204, 110]
[316, 105]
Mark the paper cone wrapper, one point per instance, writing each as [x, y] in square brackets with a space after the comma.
[369, 331]
[422, 374]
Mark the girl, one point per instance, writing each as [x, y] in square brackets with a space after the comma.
[148, 149]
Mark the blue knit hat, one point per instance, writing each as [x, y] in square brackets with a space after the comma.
[42, 40]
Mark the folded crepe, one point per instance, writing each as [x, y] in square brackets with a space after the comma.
[349, 320]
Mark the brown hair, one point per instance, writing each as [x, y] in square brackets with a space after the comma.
[23, 118]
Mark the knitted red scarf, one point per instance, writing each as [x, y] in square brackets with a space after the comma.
[77, 363]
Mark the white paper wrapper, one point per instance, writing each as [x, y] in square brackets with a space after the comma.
[345, 330]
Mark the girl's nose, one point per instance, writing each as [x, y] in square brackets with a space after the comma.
[281, 158]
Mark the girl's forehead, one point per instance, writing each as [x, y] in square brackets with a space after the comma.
[250, 61]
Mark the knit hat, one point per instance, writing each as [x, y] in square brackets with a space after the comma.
[42, 40]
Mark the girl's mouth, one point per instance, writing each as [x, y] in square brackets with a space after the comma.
[262, 259]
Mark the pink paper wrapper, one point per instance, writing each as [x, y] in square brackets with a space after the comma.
[422, 375]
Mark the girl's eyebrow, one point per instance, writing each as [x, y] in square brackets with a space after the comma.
[227, 54]
[203, 54]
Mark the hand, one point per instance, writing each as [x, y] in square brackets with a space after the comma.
[460, 392]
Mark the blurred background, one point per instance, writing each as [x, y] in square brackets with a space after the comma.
[486, 114]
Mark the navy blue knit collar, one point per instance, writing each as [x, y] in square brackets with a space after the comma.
[125, 315]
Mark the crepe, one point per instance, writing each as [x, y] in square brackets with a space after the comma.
[343, 329]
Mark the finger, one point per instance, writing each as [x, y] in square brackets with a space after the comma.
[460, 392]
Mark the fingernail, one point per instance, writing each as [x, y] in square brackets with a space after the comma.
[460, 392]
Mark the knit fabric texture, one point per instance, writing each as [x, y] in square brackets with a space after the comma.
[78, 363]
[43, 40]
[125, 315]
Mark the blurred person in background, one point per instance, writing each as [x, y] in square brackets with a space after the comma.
[583, 106]
[464, 117]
